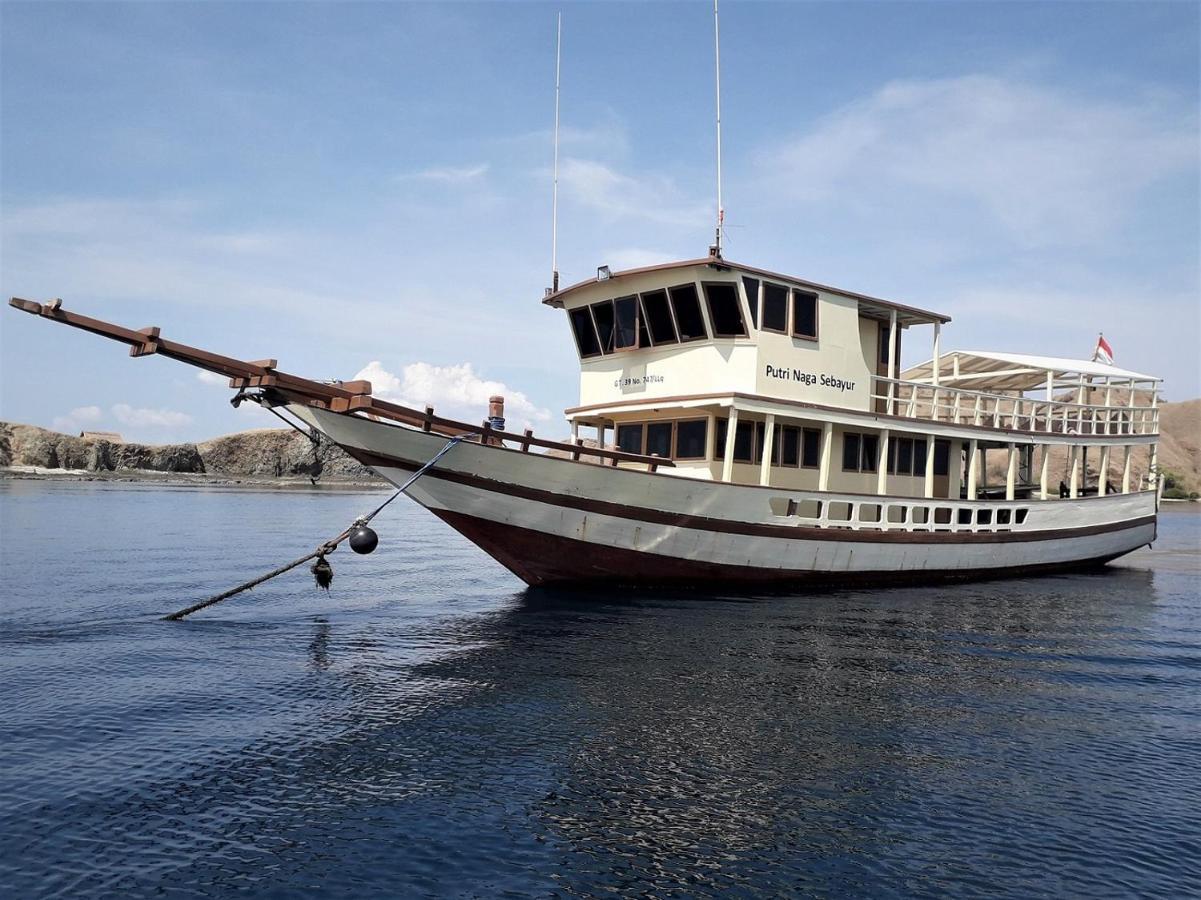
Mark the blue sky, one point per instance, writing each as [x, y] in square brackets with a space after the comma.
[337, 185]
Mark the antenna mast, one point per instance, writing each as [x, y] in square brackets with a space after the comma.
[721, 212]
[554, 215]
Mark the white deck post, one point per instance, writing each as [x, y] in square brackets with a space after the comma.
[937, 361]
[1102, 488]
[823, 473]
[769, 429]
[1126, 469]
[973, 467]
[928, 487]
[1011, 472]
[727, 465]
[1043, 472]
[1074, 486]
[575, 431]
[711, 437]
[893, 362]
[882, 464]
[600, 433]
[1152, 468]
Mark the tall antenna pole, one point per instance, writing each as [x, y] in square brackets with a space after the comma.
[554, 215]
[721, 212]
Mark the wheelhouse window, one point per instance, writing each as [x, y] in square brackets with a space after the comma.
[658, 318]
[775, 307]
[690, 439]
[602, 314]
[725, 312]
[751, 287]
[629, 437]
[585, 332]
[859, 452]
[687, 306]
[625, 315]
[658, 439]
[804, 314]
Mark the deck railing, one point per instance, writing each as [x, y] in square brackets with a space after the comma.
[957, 406]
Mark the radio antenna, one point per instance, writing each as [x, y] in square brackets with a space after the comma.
[717, 67]
[554, 213]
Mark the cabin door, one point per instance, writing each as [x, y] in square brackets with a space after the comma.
[882, 339]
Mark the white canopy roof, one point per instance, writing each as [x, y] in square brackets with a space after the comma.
[1016, 371]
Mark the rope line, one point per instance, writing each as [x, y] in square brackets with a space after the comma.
[326, 548]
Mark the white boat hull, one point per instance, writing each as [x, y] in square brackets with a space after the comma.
[552, 520]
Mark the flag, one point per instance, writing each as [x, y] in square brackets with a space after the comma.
[1104, 352]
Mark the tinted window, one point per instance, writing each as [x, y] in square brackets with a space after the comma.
[585, 334]
[626, 315]
[751, 286]
[629, 438]
[603, 314]
[724, 310]
[644, 337]
[884, 342]
[658, 317]
[850, 452]
[688, 312]
[744, 440]
[905, 456]
[871, 450]
[775, 307]
[658, 439]
[942, 457]
[804, 314]
[919, 457]
[790, 445]
[812, 448]
[759, 441]
[690, 439]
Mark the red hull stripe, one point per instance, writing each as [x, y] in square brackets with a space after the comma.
[544, 559]
[726, 526]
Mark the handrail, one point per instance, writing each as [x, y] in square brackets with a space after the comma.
[965, 406]
[341, 397]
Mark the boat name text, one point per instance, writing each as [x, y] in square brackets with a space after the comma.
[830, 381]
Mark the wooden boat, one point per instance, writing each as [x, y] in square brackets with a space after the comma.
[753, 428]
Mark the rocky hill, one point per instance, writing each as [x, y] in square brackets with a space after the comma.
[277, 453]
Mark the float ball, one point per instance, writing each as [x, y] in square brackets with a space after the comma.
[363, 540]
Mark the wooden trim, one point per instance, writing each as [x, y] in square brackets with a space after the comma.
[756, 529]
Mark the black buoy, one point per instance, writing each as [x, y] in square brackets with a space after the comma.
[323, 572]
[363, 540]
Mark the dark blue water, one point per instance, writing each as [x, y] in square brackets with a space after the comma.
[429, 729]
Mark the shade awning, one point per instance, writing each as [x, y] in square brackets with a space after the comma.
[989, 369]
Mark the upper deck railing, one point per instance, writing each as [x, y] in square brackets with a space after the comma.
[957, 406]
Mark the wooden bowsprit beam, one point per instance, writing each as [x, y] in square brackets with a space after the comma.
[340, 397]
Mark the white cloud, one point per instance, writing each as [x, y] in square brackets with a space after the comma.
[140, 417]
[449, 174]
[616, 195]
[1049, 166]
[77, 418]
[454, 391]
[635, 258]
[212, 378]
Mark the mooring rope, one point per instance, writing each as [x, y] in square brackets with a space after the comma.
[321, 569]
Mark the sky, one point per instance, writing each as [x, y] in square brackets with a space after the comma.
[363, 190]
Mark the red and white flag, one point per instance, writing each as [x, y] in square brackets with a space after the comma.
[1104, 352]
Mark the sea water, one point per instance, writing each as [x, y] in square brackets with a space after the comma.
[429, 728]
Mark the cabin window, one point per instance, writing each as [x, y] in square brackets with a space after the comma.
[760, 428]
[790, 445]
[602, 313]
[690, 439]
[1003, 516]
[658, 439]
[811, 452]
[984, 517]
[585, 332]
[775, 308]
[688, 312]
[919, 457]
[751, 287]
[725, 312]
[884, 342]
[744, 442]
[942, 457]
[804, 314]
[625, 332]
[658, 317]
[859, 452]
[1021, 516]
[905, 456]
[629, 437]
